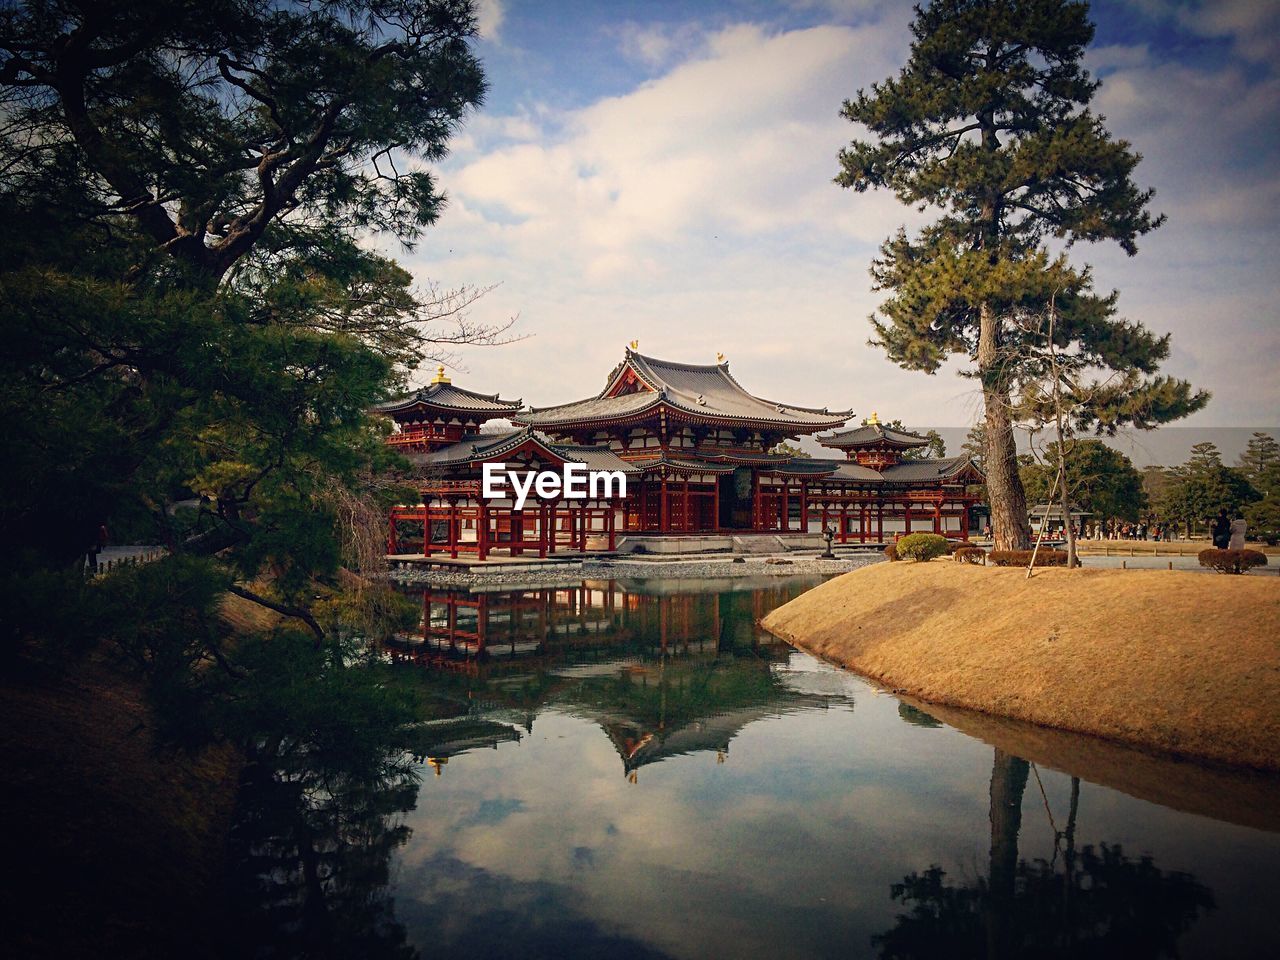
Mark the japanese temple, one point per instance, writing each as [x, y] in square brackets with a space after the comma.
[697, 450]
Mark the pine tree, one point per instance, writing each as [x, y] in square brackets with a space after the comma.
[1260, 456]
[1205, 456]
[989, 124]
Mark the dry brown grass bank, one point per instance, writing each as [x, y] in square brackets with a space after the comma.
[1187, 663]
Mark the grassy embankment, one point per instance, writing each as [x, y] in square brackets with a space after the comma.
[115, 846]
[1181, 662]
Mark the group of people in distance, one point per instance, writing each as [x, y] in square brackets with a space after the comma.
[1124, 530]
[1227, 533]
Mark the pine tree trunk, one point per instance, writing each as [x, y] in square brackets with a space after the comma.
[1008, 781]
[1006, 497]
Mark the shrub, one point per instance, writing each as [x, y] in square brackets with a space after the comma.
[1020, 558]
[970, 555]
[1232, 561]
[921, 546]
[955, 545]
[891, 551]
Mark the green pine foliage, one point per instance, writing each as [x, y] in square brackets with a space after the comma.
[1100, 480]
[1198, 489]
[989, 125]
[193, 336]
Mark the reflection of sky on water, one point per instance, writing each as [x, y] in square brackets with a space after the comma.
[785, 847]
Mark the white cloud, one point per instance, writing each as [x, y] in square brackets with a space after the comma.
[489, 17]
[697, 212]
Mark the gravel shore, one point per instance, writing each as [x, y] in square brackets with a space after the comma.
[693, 568]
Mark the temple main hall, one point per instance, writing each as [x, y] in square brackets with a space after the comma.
[703, 458]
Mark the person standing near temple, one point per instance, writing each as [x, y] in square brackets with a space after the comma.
[1238, 530]
[1220, 529]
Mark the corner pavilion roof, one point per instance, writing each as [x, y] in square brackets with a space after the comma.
[872, 434]
[928, 470]
[703, 391]
[442, 395]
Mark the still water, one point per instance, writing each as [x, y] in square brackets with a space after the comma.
[618, 769]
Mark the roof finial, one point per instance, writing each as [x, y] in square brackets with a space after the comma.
[440, 377]
[719, 357]
[873, 420]
[635, 344]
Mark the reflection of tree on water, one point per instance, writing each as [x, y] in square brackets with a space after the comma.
[318, 815]
[1098, 903]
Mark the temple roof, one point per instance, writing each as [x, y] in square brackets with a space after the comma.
[702, 390]
[445, 396]
[480, 447]
[872, 434]
[685, 464]
[929, 470]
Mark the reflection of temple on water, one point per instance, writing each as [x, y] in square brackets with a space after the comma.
[439, 740]
[652, 718]
[662, 674]
[470, 629]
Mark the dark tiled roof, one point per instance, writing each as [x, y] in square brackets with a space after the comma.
[869, 434]
[849, 470]
[806, 467]
[487, 446]
[692, 465]
[917, 471]
[908, 471]
[703, 390]
[448, 397]
[598, 408]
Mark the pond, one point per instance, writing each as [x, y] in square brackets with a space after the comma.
[634, 769]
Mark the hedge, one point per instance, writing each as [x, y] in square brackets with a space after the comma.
[921, 546]
[1021, 558]
[1232, 561]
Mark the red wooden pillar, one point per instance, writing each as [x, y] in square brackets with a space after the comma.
[880, 521]
[517, 532]
[715, 503]
[426, 525]
[784, 511]
[482, 530]
[755, 500]
[937, 517]
[664, 509]
[542, 528]
[804, 507]
[610, 520]
[583, 516]
[825, 506]
[844, 522]
[906, 514]
[964, 522]
[688, 518]
[455, 534]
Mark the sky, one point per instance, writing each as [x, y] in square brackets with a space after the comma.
[662, 172]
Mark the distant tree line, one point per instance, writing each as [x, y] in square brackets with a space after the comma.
[1104, 482]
